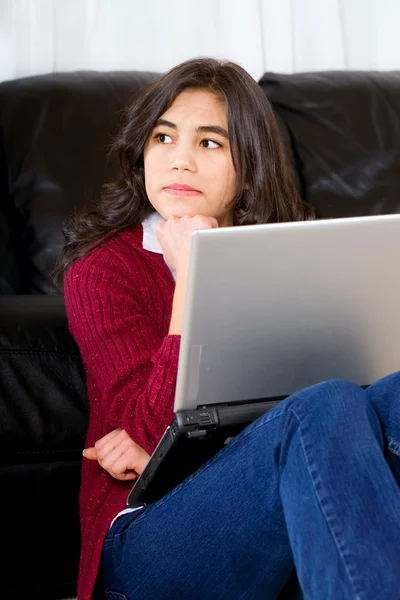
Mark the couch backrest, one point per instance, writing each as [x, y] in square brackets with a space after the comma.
[56, 132]
[343, 130]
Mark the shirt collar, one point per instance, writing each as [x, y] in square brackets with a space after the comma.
[150, 241]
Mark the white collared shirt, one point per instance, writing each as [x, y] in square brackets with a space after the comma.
[150, 241]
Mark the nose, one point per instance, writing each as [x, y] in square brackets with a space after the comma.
[183, 159]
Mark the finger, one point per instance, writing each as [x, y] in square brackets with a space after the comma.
[106, 438]
[129, 476]
[127, 462]
[90, 453]
[107, 460]
[109, 454]
[106, 444]
[215, 223]
[203, 222]
[115, 433]
[125, 476]
[134, 458]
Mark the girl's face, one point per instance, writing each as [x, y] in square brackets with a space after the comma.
[188, 166]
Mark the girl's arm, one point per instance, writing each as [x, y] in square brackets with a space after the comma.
[175, 327]
[131, 364]
[174, 236]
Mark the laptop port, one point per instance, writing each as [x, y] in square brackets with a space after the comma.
[205, 418]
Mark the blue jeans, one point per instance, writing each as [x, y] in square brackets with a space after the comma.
[311, 485]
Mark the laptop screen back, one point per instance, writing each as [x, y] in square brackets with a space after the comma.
[271, 309]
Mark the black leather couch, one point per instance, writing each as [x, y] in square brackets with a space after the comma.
[343, 132]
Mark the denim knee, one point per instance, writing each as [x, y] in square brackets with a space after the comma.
[335, 402]
[333, 418]
[384, 395]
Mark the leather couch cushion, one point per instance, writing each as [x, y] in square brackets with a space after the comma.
[8, 269]
[43, 421]
[43, 400]
[344, 129]
[57, 130]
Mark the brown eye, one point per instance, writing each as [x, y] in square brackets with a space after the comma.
[163, 138]
[210, 144]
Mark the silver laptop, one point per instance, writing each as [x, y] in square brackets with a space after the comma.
[271, 309]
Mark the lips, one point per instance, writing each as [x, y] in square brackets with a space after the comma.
[179, 189]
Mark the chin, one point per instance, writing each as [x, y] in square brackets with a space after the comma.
[181, 211]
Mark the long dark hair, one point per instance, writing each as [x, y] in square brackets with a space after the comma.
[265, 188]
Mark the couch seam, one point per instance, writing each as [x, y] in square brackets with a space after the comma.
[54, 352]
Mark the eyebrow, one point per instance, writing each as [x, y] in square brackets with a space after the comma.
[201, 129]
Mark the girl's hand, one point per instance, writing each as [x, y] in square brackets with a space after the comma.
[118, 454]
[174, 236]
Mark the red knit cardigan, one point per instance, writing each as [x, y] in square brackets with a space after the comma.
[119, 302]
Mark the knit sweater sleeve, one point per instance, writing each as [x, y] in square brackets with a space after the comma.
[122, 348]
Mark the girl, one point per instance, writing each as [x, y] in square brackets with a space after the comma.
[313, 483]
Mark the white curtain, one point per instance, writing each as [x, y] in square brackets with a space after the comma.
[40, 36]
